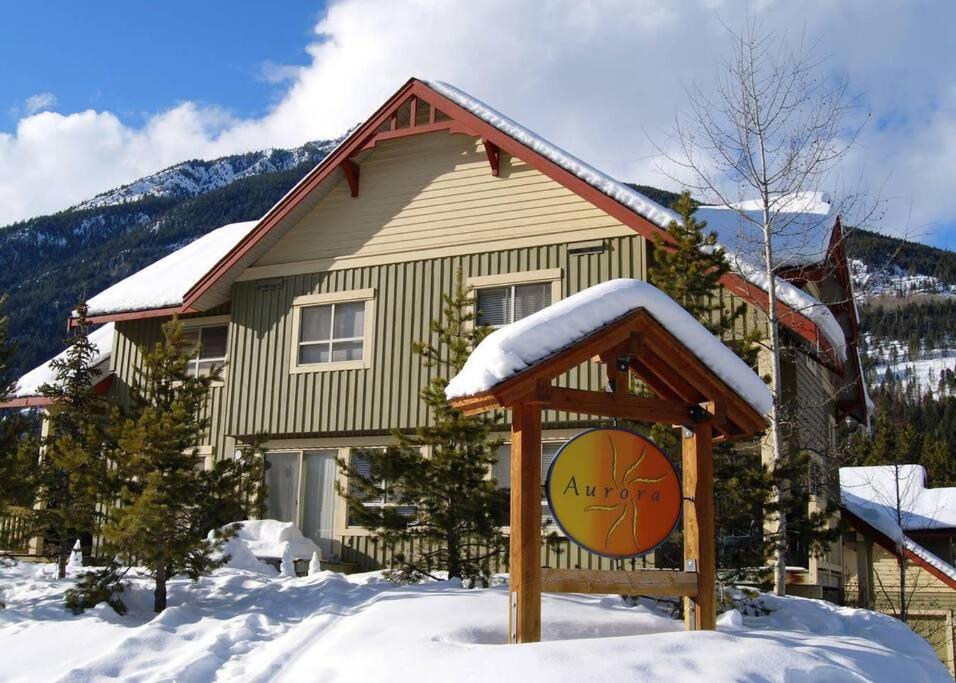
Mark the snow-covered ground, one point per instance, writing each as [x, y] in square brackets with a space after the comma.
[926, 367]
[240, 625]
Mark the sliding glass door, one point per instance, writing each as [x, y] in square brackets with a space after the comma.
[301, 489]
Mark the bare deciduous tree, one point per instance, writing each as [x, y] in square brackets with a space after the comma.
[772, 125]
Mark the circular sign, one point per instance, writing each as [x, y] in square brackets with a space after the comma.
[614, 493]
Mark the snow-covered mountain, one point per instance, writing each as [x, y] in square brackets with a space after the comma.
[195, 177]
[891, 280]
[48, 264]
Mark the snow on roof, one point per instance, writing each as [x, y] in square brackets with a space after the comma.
[513, 348]
[803, 229]
[870, 493]
[164, 283]
[798, 300]
[29, 385]
[614, 189]
[810, 215]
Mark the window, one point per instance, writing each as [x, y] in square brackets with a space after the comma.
[332, 331]
[210, 345]
[361, 463]
[502, 471]
[506, 298]
[499, 306]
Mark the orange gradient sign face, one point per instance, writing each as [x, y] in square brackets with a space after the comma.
[614, 493]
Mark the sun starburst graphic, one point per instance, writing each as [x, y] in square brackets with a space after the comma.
[629, 478]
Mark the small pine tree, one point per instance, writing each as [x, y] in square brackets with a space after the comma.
[73, 475]
[165, 516]
[448, 509]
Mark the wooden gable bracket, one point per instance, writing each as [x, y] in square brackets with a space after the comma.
[351, 171]
[494, 155]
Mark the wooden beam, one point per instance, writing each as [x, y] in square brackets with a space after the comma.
[522, 386]
[451, 126]
[525, 560]
[412, 111]
[494, 155]
[699, 527]
[351, 170]
[623, 406]
[619, 378]
[654, 582]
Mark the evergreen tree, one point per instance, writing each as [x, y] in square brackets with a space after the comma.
[18, 450]
[167, 500]
[446, 506]
[73, 474]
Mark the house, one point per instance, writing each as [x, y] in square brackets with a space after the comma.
[899, 548]
[312, 310]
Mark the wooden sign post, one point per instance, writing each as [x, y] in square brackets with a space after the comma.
[689, 396]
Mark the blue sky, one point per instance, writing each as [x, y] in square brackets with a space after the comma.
[134, 58]
[96, 94]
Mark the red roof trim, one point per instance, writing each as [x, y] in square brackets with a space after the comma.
[358, 140]
[100, 388]
[135, 315]
[890, 546]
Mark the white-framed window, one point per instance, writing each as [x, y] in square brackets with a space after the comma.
[502, 472]
[211, 343]
[360, 463]
[332, 331]
[507, 298]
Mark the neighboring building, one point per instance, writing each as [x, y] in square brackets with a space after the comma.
[899, 548]
[313, 309]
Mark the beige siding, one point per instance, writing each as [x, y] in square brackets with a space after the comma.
[931, 603]
[436, 192]
[265, 397]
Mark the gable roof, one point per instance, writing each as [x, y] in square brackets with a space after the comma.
[461, 113]
[162, 285]
[677, 357]
[27, 390]
[869, 494]
[465, 114]
[514, 348]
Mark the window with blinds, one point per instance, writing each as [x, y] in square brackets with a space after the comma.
[499, 306]
[361, 463]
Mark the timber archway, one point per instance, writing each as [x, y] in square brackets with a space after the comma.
[699, 386]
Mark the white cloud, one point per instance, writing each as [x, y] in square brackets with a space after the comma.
[39, 102]
[590, 76]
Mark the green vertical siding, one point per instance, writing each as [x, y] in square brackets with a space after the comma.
[132, 340]
[263, 396]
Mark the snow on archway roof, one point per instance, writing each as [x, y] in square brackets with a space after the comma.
[515, 347]
[29, 385]
[164, 283]
[801, 210]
